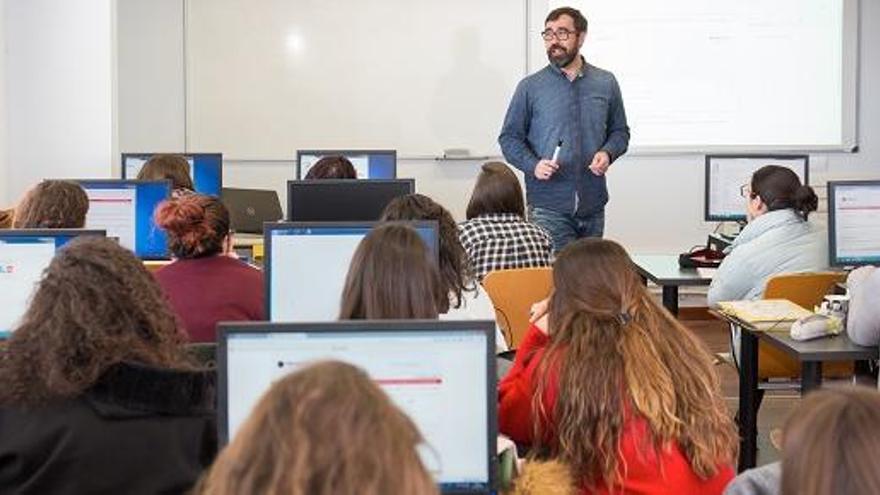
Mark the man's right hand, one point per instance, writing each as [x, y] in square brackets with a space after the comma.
[545, 169]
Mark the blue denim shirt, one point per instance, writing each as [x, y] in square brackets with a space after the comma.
[586, 114]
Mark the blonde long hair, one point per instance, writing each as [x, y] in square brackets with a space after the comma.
[615, 352]
[327, 429]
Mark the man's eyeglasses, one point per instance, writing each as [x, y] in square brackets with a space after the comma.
[745, 191]
[561, 35]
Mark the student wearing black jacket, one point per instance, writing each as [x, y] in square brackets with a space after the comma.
[97, 394]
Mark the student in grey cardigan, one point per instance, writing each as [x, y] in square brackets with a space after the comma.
[778, 238]
[863, 319]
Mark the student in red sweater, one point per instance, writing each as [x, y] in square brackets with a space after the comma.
[205, 284]
[612, 385]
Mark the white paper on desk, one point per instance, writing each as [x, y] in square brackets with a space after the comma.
[706, 272]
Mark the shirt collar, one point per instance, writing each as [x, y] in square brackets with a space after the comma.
[580, 72]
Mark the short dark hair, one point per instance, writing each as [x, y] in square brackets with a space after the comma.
[52, 204]
[780, 188]
[497, 191]
[173, 167]
[332, 167]
[580, 22]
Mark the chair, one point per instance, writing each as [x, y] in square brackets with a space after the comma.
[513, 292]
[805, 290]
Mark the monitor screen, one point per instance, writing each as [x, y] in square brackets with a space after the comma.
[206, 169]
[306, 264]
[726, 174]
[24, 254]
[441, 374]
[854, 222]
[369, 164]
[124, 208]
[340, 200]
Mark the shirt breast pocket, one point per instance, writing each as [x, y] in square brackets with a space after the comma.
[597, 109]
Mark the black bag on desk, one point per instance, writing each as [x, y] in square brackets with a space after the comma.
[701, 257]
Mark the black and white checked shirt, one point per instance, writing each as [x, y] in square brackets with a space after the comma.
[504, 241]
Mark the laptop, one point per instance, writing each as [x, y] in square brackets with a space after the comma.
[249, 208]
[440, 373]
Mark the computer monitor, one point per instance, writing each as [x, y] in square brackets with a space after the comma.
[206, 169]
[305, 265]
[341, 200]
[24, 254]
[854, 222]
[124, 208]
[726, 174]
[369, 164]
[441, 374]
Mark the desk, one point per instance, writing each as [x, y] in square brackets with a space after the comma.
[249, 243]
[811, 354]
[663, 270]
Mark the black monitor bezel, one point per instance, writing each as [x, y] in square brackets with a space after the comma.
[342, 183]
[487, 327]
[343, 152]
[269, 227]
[832, 185]
[751, 156]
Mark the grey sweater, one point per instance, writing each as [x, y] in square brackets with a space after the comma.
[764, 480]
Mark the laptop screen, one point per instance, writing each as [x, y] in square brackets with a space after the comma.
[205, 169]
[441, 374]
[24, 254]
[306, 264]
[124, 208]
[368, 164]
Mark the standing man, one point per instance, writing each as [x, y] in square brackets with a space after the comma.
[577, 108]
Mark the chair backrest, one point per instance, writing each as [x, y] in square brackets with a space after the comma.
[806, 290]
[803, 289]
[513, 292]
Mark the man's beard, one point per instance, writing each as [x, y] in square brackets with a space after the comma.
[563, 59]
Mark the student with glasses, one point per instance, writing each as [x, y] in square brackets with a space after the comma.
[564, 127]
[777, 239]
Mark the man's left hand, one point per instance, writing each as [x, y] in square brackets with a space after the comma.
[601, 162]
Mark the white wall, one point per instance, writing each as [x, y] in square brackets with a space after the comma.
[656, 202]
[3, 185]
[58, 75]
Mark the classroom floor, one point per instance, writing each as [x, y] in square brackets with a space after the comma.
[776, 404]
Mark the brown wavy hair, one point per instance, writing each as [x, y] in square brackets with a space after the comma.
[95, 306]
[455, 268]
[332, 167]
[327, 429]
[392, 277]
[614, 352]
[52, 204]
[167, 166]
[197, 225]
[830, 441]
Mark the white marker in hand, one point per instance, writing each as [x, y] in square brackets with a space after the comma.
[556, 151]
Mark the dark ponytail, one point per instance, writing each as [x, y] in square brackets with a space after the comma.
[780, 188]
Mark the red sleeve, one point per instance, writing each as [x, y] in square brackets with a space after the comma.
[515, 391]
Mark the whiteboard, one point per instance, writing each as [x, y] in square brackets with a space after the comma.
[702, 75]
[267, 77]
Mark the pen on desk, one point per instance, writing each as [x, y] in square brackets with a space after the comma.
[556, 151]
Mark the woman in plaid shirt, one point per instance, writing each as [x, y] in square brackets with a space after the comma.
[496, 234]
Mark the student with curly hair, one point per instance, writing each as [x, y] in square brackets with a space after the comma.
[614, 387]
[204, 283]
[97, 393]
[332, 167]
[466, 298]
[52, 204]
[327, 429]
